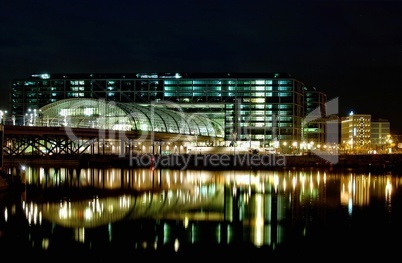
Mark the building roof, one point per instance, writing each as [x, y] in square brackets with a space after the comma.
[100, 114]
[158, 75]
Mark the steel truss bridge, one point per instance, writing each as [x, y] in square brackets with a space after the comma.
[21, 141]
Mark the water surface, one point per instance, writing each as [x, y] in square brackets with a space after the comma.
[108, 213]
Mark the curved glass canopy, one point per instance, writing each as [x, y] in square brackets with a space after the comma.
[101, 114]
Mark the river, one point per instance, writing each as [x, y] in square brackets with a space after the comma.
[106, 214]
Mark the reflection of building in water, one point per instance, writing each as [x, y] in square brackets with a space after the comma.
[263, 208]
[358, 190]
[355, 190]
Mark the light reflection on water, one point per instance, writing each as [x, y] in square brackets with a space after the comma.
[131, 211]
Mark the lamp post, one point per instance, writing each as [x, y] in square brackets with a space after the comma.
[234, 142]
[30, 117]
[249, 135]
[2, 113]
[195, 133]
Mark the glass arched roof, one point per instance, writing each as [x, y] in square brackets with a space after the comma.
[101, 114]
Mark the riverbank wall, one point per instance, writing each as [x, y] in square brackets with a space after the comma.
[216, 161]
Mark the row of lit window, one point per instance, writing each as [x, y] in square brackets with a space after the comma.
[238, 82]
[231, 91]
[267, 83]
[229, 88]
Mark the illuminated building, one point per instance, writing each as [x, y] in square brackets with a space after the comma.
[356, 132]
[259, 108]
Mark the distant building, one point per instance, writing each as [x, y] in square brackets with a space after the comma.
[356, 132]
[267, 108]
[380, 132]
[315, 130]
[361, 133]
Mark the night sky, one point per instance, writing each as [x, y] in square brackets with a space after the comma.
[350, 50]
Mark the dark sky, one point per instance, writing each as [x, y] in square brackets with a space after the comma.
[350, 50]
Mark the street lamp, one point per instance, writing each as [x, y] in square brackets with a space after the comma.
[249, 136]
[2, 116]
[294, 145]
[31, 116]
[196, 139]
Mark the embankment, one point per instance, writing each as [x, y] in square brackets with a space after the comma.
[216, 161]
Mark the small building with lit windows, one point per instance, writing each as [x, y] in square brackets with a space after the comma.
[257, 109]
[356, 133]
[381, 139]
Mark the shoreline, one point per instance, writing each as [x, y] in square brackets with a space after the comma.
[216, 161]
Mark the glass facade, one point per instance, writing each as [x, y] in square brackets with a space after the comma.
[315, 130]
[100, 114]
[263, 108]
